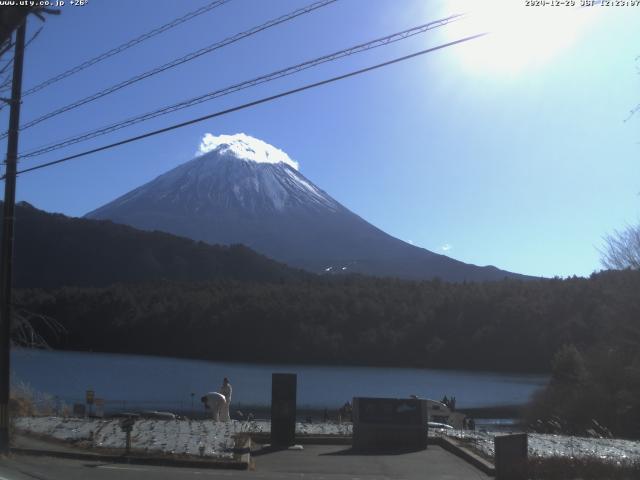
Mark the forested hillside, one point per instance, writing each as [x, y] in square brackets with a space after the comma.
[53, 250]
[508, 325]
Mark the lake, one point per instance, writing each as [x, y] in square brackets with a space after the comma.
[133, 381]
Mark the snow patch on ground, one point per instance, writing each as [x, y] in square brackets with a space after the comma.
[184, 437]
[181, 437]
[546, 445]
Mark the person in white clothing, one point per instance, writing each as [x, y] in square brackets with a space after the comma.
[226, 391]
[215, 402]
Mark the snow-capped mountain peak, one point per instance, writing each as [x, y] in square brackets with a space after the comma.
[231, 172]
[242, 190]
[244, 147]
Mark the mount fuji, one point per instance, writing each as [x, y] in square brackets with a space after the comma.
[243, 190]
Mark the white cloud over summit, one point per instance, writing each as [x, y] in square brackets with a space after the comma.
[244, 147]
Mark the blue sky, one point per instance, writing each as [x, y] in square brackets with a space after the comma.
[511, 151]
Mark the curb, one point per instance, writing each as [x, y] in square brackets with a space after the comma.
[240, 463]
[465, 454]
[264, 438]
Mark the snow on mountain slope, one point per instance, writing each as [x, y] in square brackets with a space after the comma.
[217, 178]
[242, 190]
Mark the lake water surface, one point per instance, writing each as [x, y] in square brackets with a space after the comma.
[132, 381]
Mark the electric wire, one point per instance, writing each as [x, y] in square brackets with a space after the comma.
[178, 61]
[125, 46]
[378, 42]
[251, 104]
[10, 61]
[6, 85]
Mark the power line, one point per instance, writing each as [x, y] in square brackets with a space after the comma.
[125, 46]
[250, 104]
[10, 61]
[6, 85]
[378, 42]
[178, 61]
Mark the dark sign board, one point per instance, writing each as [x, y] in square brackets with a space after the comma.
[389, 424]
[511, 456]
[283, 408]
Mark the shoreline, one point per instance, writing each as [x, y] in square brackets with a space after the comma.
[145, 387]
[317, 414]
[495, 412]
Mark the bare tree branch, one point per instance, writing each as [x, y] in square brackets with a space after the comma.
[622, 249]
[23, 332]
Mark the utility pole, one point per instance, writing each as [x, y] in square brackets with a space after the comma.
[6, 248]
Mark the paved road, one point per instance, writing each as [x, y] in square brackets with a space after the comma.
[315, 462]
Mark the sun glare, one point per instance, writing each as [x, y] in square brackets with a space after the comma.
[519, 36]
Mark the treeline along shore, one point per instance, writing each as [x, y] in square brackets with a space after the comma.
[503, 326]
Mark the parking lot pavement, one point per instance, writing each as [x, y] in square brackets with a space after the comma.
[314, 462]
[339, 461]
